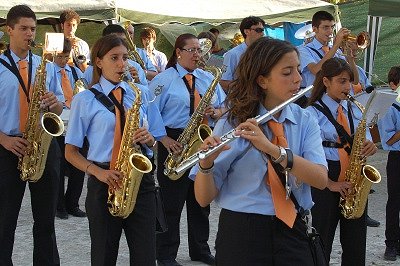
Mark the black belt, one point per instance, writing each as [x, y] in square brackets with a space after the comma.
[331, 144]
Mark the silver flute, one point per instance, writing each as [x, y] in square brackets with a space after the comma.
[230, 135]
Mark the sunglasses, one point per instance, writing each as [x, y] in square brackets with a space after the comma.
[258, 30]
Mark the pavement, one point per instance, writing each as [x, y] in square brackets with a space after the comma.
[74, 242]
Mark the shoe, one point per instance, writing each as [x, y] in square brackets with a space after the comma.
[206, 259]
[77, 212]
[168, 263]
[372, 223]
[390, 253]
[62, 214]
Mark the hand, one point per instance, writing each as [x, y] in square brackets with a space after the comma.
[16, 145]
[171, 145]
[134, 73]
[251, 131]
[210, 142]
[49, 101]
[340, 36]
[212, 112]
[342, 187]
[143, 136]
[112, 178]
[369, 148]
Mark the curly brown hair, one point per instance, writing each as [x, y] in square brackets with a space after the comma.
[245, 95]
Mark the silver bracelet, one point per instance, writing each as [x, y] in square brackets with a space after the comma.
[281, 157]
[206, 171]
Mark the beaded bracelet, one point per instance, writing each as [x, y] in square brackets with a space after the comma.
[206, 171]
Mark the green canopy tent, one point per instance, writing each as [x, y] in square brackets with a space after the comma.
[377, 10]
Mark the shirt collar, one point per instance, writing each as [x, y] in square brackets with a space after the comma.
[107, 86]
[286, 114]
[58, 68]
[332, 104]
[317, 44]
[17, 59]
[182, 72]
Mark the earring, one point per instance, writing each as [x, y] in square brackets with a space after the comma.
[179, 57]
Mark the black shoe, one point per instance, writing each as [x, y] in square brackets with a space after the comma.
[206, 259]
[77, 212]
[168, 263]
[390, 253]
[372, 223]
[62, 215]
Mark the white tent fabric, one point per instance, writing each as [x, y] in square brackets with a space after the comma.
[160, 12]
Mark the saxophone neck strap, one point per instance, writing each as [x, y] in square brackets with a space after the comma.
[396, 106]
[74, 73]
[14, 69]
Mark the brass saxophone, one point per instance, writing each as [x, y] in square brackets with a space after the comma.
[133, 54]
[359, 174]
[130, 162]
[39, 130]
[195, 132]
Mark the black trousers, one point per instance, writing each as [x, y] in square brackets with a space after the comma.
[105, 229]
[69, 199]
[43, 201]
[392, 231]
[253, 239]
[175, 194]
[326, 214]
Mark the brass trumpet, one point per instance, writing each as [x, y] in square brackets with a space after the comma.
[362, 39]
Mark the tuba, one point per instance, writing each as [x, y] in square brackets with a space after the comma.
[130, 162]
[39, 130]
[133, 54]
[359, 174]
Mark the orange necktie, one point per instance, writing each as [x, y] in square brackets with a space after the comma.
[325, 48]
[66, 87]
[197, 98]
[117, 131]
[343, 155]
[357, 88]
[23, 101]
[284, 208]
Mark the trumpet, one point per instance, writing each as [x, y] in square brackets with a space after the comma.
[230, 135]
[79, 59]
[362, 40]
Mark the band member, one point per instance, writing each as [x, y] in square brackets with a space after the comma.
[91, 118]
[150, 70]
[159, 59]
[389, 128]
[137, 74]
[316, 52]
[329, 106]
[175, 98]
[252, 230]
[68, 201]
[80, 55]
[17, 75]
[252, 28]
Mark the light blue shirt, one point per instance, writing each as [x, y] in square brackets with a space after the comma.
[388, 126]
[231, 60]
[88, 75]
[364, 81]
[328, 131]
[239, 173]
[147, 62]
[9, 92]
[173, 98]
[308, 56]
[91, 119]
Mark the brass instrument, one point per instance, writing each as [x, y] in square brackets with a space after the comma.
[359, 174]
[39, 131]
[195, 132]
[237, 39]
[362, 41]
[79, 59]
[130, 162]
[230, 136]
[79, 85]
[3, 47]
[133, 54]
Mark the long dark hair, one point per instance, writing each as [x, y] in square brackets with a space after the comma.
[179, 43]
[245, 95]
[100, 49]
[330, 68]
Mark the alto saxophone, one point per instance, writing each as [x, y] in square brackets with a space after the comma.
[133, 54]
[130, 162]
[195, 132]
[360, 175]
[39, 130]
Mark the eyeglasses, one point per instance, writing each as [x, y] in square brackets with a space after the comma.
[325, 28]
[258, 30]
[193, 50]
[62, 57]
